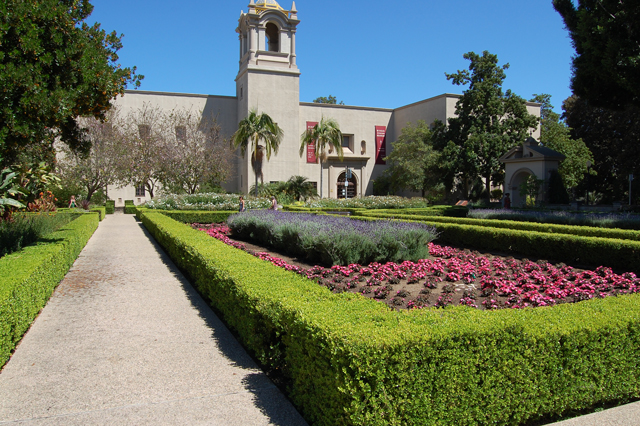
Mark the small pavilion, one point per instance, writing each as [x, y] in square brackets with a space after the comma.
[527, 159]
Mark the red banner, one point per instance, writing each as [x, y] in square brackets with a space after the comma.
[311, 147]
[381, 144]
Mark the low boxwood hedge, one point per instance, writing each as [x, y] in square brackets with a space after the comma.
[110, 206]
[29, 276]
[349, 360]
[129, 209]
[584, 231]
[190, 216]
[102, 211]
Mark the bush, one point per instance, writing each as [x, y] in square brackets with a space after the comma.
[28, 277]
[349, 360]
[216, 202]
[186, 216]
[102, 211]
[333, 240]
[584, 231]
[110, 206]
[594, 251]
[26, 228]
[129, 208]
[600, 220]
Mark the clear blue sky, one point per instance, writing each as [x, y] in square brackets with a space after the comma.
[377, 54]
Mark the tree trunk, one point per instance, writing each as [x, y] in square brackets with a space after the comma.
[488, 186]
[320, 161]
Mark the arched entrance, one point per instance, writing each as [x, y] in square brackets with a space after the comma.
[352, 187]
[519, 177]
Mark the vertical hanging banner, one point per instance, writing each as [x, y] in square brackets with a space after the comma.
[311, 148]
[381, 144]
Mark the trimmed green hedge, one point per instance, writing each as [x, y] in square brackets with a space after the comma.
[450, 211]
[110, 206]
[129, 209]
[102, 211]
[593, 251]
[584, 231]
[29, 276]
[190, 216]
[351, 361]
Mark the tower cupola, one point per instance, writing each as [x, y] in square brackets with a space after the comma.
[267, 37]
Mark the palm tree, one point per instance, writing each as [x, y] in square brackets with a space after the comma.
[324, 134]
[299, 188]
[250, 131]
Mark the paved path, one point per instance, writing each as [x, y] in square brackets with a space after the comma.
[125, 340]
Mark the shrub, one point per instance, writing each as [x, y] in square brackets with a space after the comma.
[102, 211]
[600, 220]
[371, 202]
[584, 231]
[208, 201]
[334, 240]
[349, 360]
[28, 277]
[110, 206]
[26, 228]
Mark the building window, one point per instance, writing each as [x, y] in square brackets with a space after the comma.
[144, 130]
[140, 191]
[181, 133]
[346, 143]
[273, 38]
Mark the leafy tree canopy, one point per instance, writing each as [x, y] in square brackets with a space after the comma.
[488, 123]
[606, 37]
[327, 100]
[54, 68]
[253, 129]
[612, 137]
[555, 134]
[414, 164]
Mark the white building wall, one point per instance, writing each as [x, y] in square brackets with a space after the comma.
[224, 108]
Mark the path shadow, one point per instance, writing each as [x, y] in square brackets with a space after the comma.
[266, 396]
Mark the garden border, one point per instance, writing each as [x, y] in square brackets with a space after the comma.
[352, 361]
[29, 276]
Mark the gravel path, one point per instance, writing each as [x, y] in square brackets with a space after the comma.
[126, 340]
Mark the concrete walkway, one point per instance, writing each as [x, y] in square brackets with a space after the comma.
[125, 340]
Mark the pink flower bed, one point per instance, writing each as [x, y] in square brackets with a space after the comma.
[454, 276]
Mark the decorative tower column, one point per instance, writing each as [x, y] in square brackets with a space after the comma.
[268, 81]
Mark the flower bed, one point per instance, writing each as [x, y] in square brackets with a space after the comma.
[458, 277]
[206, 201]
[334, 240]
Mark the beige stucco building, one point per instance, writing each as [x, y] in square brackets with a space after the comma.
[268, 81]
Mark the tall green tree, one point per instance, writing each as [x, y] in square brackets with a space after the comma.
[487, 124]
[323, 135]
[606, 37]
[414, 163]
[253, 129]
[555, 134]
[327, 100]
[612, 136]
[54, 68]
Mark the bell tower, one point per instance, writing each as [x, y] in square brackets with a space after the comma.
[268, 80]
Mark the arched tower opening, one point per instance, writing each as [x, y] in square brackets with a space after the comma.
[273, 37]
